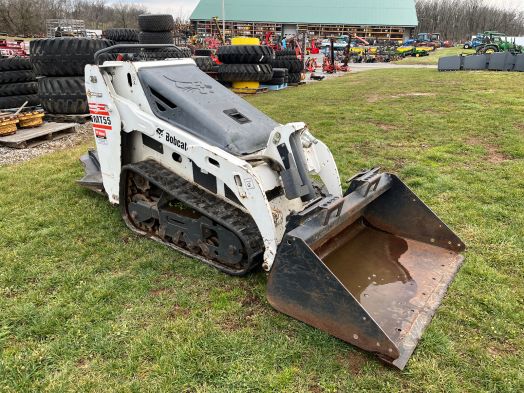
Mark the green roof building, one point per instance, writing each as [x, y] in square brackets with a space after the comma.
[378, 19]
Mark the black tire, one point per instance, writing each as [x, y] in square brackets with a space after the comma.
[203, 52]
[295, 77]
[17, 101]
[163, 37]
[486, 49]
[15, 64]
[205, 63]
[186, 51]
[120, 35]
[64, 56]
[286, 52]
[245, 54]
[156, 22]
[245, 72]
[293, 66]
[279, 72]
[17, 76]
[467, 46]
[161, 54]
[17, 89]
[276, 81]
[63, 95]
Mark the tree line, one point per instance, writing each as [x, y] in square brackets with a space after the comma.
[459, 19]
[28, 17]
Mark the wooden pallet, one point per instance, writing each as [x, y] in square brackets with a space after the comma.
[250, 91]
[30, 137]
[80, 119]
[275, 87]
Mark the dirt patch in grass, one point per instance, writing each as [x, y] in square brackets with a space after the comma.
[353, 361]
[373, 98]
[413, 95]
[495, 156]
[178, 311]
[386, 127]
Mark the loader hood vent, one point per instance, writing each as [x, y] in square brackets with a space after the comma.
[188, 98]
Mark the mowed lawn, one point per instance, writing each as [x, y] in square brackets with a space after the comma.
[86, 305]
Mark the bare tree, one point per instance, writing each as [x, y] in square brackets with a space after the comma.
[23, 17]
[459, 19]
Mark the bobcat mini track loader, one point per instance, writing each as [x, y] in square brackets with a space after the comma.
[197, 168]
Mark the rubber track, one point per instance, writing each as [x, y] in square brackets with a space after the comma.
[221, 212]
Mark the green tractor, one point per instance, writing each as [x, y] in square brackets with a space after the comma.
[496, 42]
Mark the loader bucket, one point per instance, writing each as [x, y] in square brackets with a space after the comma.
[370, 268]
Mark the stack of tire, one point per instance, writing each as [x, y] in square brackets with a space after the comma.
[245, 63]
[280, 77]
[287, 58]
[17, 83]
[121, 36]
[158, 29]
[204, 61]
[59, 64]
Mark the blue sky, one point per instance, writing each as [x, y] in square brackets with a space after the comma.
[185, 7]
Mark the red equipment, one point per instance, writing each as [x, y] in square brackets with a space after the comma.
[12, 48]
[311, 64]
[314, 49]
[269, 42]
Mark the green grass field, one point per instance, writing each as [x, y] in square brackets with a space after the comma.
[435, 55]
[88, 306]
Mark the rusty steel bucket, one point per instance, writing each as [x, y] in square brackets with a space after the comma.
[370, 268]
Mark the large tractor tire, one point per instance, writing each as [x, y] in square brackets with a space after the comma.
[121, 35]
[18, 101]
[293, 65]
[203, 52]
[156, 22]
[16, 89]
[164, 53]
[161, 37]
[286, 53]
[245, 72]
[64, 56]
[295, 77]
[17, 76]
[205, 63]
[487, 49]
[245, 54]
[63, 95]
[15, 64]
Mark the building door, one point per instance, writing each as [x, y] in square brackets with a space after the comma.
[289, 30]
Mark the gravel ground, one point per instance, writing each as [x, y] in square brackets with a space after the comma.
[11, 156]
